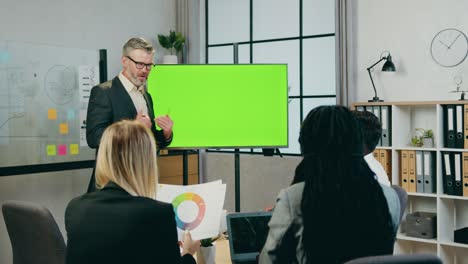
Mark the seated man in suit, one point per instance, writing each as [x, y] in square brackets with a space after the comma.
[125, 97]
[122, 222]
[372, 131]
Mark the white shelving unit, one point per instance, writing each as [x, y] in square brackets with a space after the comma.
[452, 211]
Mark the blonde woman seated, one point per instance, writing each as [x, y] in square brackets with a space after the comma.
[122, 223]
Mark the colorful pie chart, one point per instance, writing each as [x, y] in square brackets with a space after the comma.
[199, 202]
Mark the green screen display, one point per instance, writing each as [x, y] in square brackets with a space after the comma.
[212, 106]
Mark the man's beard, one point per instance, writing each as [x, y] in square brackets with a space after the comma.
[138, 82]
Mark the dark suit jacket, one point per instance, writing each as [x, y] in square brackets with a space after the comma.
[109, 102]
[111, 226]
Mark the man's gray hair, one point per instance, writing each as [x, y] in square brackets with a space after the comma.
[137, 43]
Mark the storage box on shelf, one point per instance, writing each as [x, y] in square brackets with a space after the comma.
[422, 225]
[461, 235]
[405, 120]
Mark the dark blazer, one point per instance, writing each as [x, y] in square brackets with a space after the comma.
[109, 102]
[111, 226]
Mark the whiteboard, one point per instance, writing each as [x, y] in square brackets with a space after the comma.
[44, 93]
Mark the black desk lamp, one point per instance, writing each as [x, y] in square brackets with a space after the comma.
[388, 67]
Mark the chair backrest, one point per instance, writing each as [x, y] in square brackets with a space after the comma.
[398, 259]
[35, 236]
[403, 198]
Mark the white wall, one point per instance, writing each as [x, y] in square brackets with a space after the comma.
[86, 24]
[405, 28]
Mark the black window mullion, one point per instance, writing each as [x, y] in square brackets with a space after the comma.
[206, 32]
[251, 31]
[301, 68]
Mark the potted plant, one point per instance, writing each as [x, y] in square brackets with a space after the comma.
[416, 141]
[174, 42]
[207, 252]
[423, 137]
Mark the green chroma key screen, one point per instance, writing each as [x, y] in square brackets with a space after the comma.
[235, 105]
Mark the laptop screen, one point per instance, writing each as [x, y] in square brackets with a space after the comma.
[247, 234]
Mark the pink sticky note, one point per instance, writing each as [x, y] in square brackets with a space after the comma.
[62, 150]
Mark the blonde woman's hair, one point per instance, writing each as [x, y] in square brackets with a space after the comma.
[127, 157]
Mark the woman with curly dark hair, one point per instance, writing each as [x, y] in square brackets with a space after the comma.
[336, 211]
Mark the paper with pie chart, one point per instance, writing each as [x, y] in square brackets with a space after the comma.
[197, 207]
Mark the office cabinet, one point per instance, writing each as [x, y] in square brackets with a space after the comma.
[171, 168]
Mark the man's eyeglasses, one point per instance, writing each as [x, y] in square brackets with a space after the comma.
[141, 65]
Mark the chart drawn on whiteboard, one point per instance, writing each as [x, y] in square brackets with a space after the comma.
[13, 103]
[60, 83]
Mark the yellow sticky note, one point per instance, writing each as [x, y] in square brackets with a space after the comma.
[74, 149]
[52, 114]
[63, 128]
[51, 150]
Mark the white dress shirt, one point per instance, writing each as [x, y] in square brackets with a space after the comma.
[136, 93]
[380, 174]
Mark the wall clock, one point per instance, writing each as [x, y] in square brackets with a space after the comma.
[449, 47]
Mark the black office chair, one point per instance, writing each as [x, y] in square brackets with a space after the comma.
[34, 234]
[398, 259]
